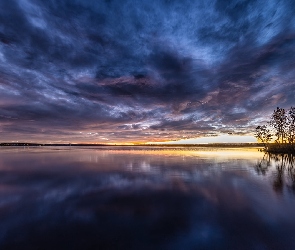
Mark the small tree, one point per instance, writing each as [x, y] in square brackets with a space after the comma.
[279, 123]
[291, 126]
[263, 135]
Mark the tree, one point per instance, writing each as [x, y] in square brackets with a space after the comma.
[280, 125]
[291, 125]
[263, 134]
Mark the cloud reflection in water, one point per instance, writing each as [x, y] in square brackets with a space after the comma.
[142, 199]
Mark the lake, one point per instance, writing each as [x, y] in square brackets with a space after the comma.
[145, 198]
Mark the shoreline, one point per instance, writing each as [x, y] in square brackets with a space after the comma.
[209, 145]
[280, 148]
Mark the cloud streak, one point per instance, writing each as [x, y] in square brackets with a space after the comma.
[142, 71]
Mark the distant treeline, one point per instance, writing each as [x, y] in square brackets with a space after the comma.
[210, 145]
[281, 129]
[215, 145]
[28, 144]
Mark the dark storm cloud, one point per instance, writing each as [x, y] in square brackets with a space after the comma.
[142, 70]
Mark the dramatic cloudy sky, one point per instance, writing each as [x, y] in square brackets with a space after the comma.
[114, 70]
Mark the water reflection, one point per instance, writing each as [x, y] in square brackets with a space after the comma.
[283, 168]
[144, 199]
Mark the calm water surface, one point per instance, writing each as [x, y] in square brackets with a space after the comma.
[145, 198]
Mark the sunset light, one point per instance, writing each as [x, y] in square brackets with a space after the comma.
[147, 124]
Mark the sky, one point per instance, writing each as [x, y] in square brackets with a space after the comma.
[143, 71]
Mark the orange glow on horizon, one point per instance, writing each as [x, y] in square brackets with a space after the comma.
[212, 139]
